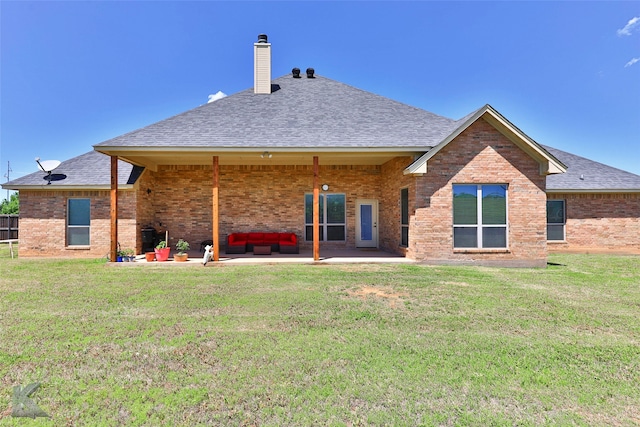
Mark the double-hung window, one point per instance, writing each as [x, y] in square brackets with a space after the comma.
[78, 222]
[333, 226]
[556, 220]
[480, 216]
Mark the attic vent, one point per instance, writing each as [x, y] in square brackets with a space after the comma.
[310, 72]
[262, 38]
[296, 73]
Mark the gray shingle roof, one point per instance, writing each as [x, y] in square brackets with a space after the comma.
[304, 113]
[587, 175]
[91, 169]
[299, 113]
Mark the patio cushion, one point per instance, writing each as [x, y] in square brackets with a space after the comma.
[270, 238]
[236, 243]
[288, 243]
[236, 238]
[255, 238]
[288, 239]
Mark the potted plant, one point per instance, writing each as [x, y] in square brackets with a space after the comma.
[162, 251]
[182, 247]
[129, 255]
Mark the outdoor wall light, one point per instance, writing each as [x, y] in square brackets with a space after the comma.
[266, 155]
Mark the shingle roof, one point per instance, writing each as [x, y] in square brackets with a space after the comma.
[299, 113]
[587, 175]
[304, 113]
[91, 169]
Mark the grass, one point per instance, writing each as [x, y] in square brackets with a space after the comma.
[343, 345]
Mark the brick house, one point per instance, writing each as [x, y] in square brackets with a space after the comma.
[341, 168]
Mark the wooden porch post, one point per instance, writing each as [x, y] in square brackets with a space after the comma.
[316, 211]
[216, 210]
[113, 251]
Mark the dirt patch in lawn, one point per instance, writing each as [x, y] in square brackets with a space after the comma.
[367, 291]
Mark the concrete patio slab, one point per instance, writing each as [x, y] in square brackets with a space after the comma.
[327, 256]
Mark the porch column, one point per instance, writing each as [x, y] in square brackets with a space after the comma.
[316, 211]
[113, 250]
[216, 209]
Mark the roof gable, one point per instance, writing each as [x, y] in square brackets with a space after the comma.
[548, 163]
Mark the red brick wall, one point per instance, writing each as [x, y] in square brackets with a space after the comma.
[43, 216]
[600, 222]
[252, 198]
[178, 199]
[480, 155]
[393, 180]
[145, 211]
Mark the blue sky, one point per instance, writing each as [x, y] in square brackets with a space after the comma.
[74, 74]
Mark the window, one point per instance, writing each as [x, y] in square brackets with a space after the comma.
[404, 217]
[556, 220]
[480, 216]
[332, 217]
[78, 222]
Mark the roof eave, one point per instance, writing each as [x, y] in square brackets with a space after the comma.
[65, 187]
[592, 190]
[116, 150]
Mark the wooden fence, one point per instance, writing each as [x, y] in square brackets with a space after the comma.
[8, 227]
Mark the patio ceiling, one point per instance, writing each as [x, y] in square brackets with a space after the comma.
[152, 159]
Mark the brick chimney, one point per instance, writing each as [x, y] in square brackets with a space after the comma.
[262, 64]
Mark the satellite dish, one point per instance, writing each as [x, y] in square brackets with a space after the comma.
[47, 166]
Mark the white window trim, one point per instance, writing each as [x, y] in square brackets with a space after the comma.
[479, 226]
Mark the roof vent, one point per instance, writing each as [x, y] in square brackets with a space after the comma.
[262, 38]
[296, 73]
[310, 72]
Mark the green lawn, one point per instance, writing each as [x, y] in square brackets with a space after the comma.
[344, 345]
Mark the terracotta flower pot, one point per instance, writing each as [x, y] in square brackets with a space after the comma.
[162, 254]
[150, 256]
[180, 257]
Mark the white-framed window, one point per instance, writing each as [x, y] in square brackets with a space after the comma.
[78, 222]
[404, 217]
[333, 217]
[556, 220]
[480, 216]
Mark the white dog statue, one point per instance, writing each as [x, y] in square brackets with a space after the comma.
[208, 254]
